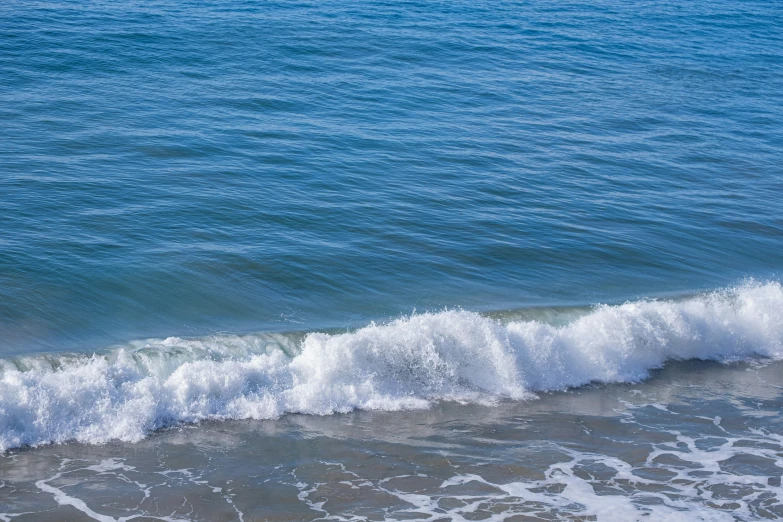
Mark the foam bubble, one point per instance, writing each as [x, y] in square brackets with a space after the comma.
[407, 363]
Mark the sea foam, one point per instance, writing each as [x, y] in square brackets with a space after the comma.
[408, 363]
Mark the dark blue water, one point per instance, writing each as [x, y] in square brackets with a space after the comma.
[181, 168]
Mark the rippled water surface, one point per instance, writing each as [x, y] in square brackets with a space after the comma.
[180, 168]
[374, 260]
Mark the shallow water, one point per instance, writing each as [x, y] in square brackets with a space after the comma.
[698, 441]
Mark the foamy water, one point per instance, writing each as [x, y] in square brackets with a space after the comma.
[405, 364]
[697, 442]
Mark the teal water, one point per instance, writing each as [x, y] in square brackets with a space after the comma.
[185, 168]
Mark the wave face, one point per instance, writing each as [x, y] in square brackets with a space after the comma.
[405, 364]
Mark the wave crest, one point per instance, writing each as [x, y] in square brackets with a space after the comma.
[407, 363]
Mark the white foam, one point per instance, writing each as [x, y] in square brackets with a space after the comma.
[110, 467]
[568, 491]
[407, 363]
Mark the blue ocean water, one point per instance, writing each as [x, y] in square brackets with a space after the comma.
[184, 168]
[386, 260]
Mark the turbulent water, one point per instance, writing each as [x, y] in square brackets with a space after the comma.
[406, 364]
[390, 260]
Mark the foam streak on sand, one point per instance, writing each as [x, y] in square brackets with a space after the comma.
[408, 363]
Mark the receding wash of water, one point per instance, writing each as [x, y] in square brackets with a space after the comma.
[391, 260]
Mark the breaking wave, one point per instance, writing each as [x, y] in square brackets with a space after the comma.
[407, 363]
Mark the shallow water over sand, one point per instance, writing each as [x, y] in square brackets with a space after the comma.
[698, 441]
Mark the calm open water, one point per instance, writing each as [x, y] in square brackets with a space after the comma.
[424, 211]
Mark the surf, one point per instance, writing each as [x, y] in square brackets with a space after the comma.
[408, 363]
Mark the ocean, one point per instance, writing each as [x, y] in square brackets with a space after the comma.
[391, 260]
